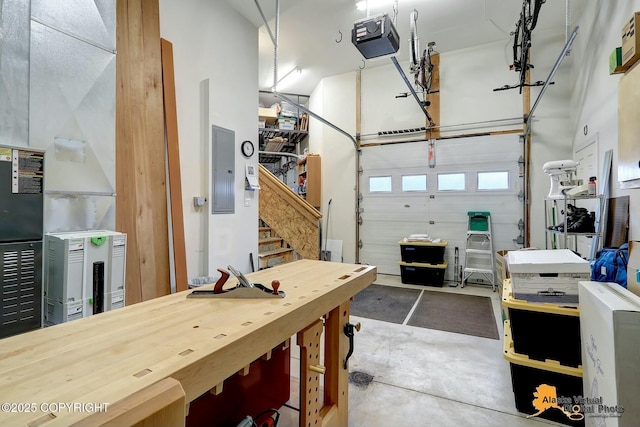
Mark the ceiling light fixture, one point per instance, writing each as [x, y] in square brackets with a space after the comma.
[289, 78]
[362, 4]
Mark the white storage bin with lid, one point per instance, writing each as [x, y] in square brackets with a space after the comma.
[547, 276]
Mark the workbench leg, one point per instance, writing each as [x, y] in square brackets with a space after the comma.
[310, 371]
[336, 379]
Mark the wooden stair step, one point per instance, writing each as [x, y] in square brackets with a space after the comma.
[270, 244]
[264, 232]
[278, 256]
[270, 240]
[275, 252]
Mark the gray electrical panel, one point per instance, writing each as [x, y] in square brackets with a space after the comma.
[223, 160]
[21, 229]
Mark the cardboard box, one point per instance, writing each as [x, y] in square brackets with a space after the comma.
[550, 276]
[633, 268]
[610, 331]
[615, 62]
[502, 268]
[630, 43]
[269, 115]
[502, 273]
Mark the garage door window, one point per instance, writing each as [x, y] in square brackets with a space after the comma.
[414, 182]
[493, 180]
[451, 182]
[378, 184]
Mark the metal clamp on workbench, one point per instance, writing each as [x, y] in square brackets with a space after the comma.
[349, 331]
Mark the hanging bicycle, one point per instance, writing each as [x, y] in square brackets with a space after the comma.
[522, 43]
[421, 66]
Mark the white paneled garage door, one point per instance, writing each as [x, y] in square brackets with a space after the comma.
[396, 202]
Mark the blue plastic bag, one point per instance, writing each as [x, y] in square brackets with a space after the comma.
[610, 265]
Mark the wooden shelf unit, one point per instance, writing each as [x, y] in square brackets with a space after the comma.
[309, 180]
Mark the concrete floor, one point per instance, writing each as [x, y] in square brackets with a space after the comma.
[424, 377]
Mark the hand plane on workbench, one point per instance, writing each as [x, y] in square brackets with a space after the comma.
[244, 289]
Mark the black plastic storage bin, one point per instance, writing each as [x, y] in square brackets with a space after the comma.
[544, 331]
[422, 274]
[423, 252]
[532, 376]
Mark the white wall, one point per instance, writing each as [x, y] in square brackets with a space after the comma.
[338, 156]
[550, 130]
[467, 79]
[212, 41]
[595, 92]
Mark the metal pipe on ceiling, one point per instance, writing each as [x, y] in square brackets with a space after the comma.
[275, 47]
[515, 120]
[317, 117]
[281, 154]
[411, 89]
[567, 22]
[264, 19]
[566, 48]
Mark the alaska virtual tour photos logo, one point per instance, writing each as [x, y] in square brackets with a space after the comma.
[575, 407]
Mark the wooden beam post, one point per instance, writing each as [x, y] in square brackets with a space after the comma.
[310, 403]
[141, 202]
[434, 98]
[173, 159]
[336, 379]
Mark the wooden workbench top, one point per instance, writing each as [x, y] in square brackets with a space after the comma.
[200, 342]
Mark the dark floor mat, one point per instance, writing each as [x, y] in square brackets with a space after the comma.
[463, 314]
[386, 303]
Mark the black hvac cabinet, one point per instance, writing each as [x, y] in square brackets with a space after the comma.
[21, 233]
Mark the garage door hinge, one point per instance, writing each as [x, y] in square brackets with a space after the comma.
[360, 197]
[360, 170]
[519, 240]
[359, 220]
[360, 244]
[521, 196]
[521, 225]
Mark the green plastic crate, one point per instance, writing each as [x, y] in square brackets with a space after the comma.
[478, 221]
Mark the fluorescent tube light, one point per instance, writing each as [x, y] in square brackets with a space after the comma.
[289, 78]
[362, 4]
